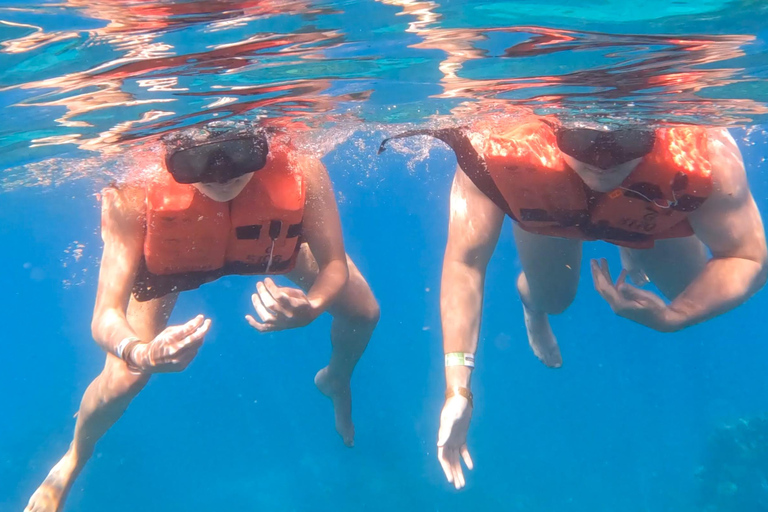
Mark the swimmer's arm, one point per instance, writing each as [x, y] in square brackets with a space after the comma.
[729, 223]
[322, 231]
[122, 230]
[473, 230]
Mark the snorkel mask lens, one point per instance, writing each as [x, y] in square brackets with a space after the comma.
[226, 157]
[605, 149]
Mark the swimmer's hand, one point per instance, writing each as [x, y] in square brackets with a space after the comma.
[173, 349]
[641, 306]
[280, 307]
[452, 439]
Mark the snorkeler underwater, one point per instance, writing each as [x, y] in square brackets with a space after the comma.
[306, 255]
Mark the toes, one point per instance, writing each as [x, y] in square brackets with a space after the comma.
[341, 397]
[349, 439]
[550, 356]
[554, 358]
[344, 426]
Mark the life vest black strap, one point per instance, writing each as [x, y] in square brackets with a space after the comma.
[604, 231]
[148, 286]
[253, 232]
[473, 165]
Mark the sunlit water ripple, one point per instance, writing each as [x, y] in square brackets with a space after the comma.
[85, 80]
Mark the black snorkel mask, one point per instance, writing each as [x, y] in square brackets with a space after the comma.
[605, 149]
[222, 156]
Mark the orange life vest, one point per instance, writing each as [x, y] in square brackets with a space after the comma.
[545, 196]
[191, 239]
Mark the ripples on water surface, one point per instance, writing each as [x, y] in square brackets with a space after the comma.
[84, 79]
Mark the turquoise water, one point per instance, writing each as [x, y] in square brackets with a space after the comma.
[626, 425]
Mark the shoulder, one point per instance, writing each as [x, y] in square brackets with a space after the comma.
[122, 207]
[309, 166]
[721, 144]
[124, 197]
[728, 173]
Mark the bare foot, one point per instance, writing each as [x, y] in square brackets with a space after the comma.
[541, 338]
[49, 497]
[340, 394]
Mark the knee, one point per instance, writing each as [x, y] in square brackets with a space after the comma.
[361, 313]
[555, 305]
[551, 302]
[367, 313]
[118, 383]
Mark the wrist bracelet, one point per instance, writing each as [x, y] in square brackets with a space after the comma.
[460, 391]
[124, 348]
[460, 359]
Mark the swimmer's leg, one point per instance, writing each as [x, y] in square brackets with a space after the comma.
[671, 264]
[355, 315]
[630, 263]
[547, 286]
[105, 400]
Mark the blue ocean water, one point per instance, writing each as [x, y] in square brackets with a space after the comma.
[623, 426]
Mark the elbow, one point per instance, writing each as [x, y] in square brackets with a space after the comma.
[102, 320]
[345, 271]
[97, 321]
[762, 260]
[761, 275]
[97, 327]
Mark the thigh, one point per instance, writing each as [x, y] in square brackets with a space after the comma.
[149, 318]
[354, 299]
[671, 264]
[551, 265]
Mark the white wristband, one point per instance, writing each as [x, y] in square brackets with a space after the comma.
[124, 343]
[460, 359]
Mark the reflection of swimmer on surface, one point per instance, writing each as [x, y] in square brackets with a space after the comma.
[133, 17]
[459, 45]
[670, 69]
[233, 202]
[664, 196]
[147, 76]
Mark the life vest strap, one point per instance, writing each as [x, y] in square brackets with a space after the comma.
[253, 232]
[469, 160]
[148, 286]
